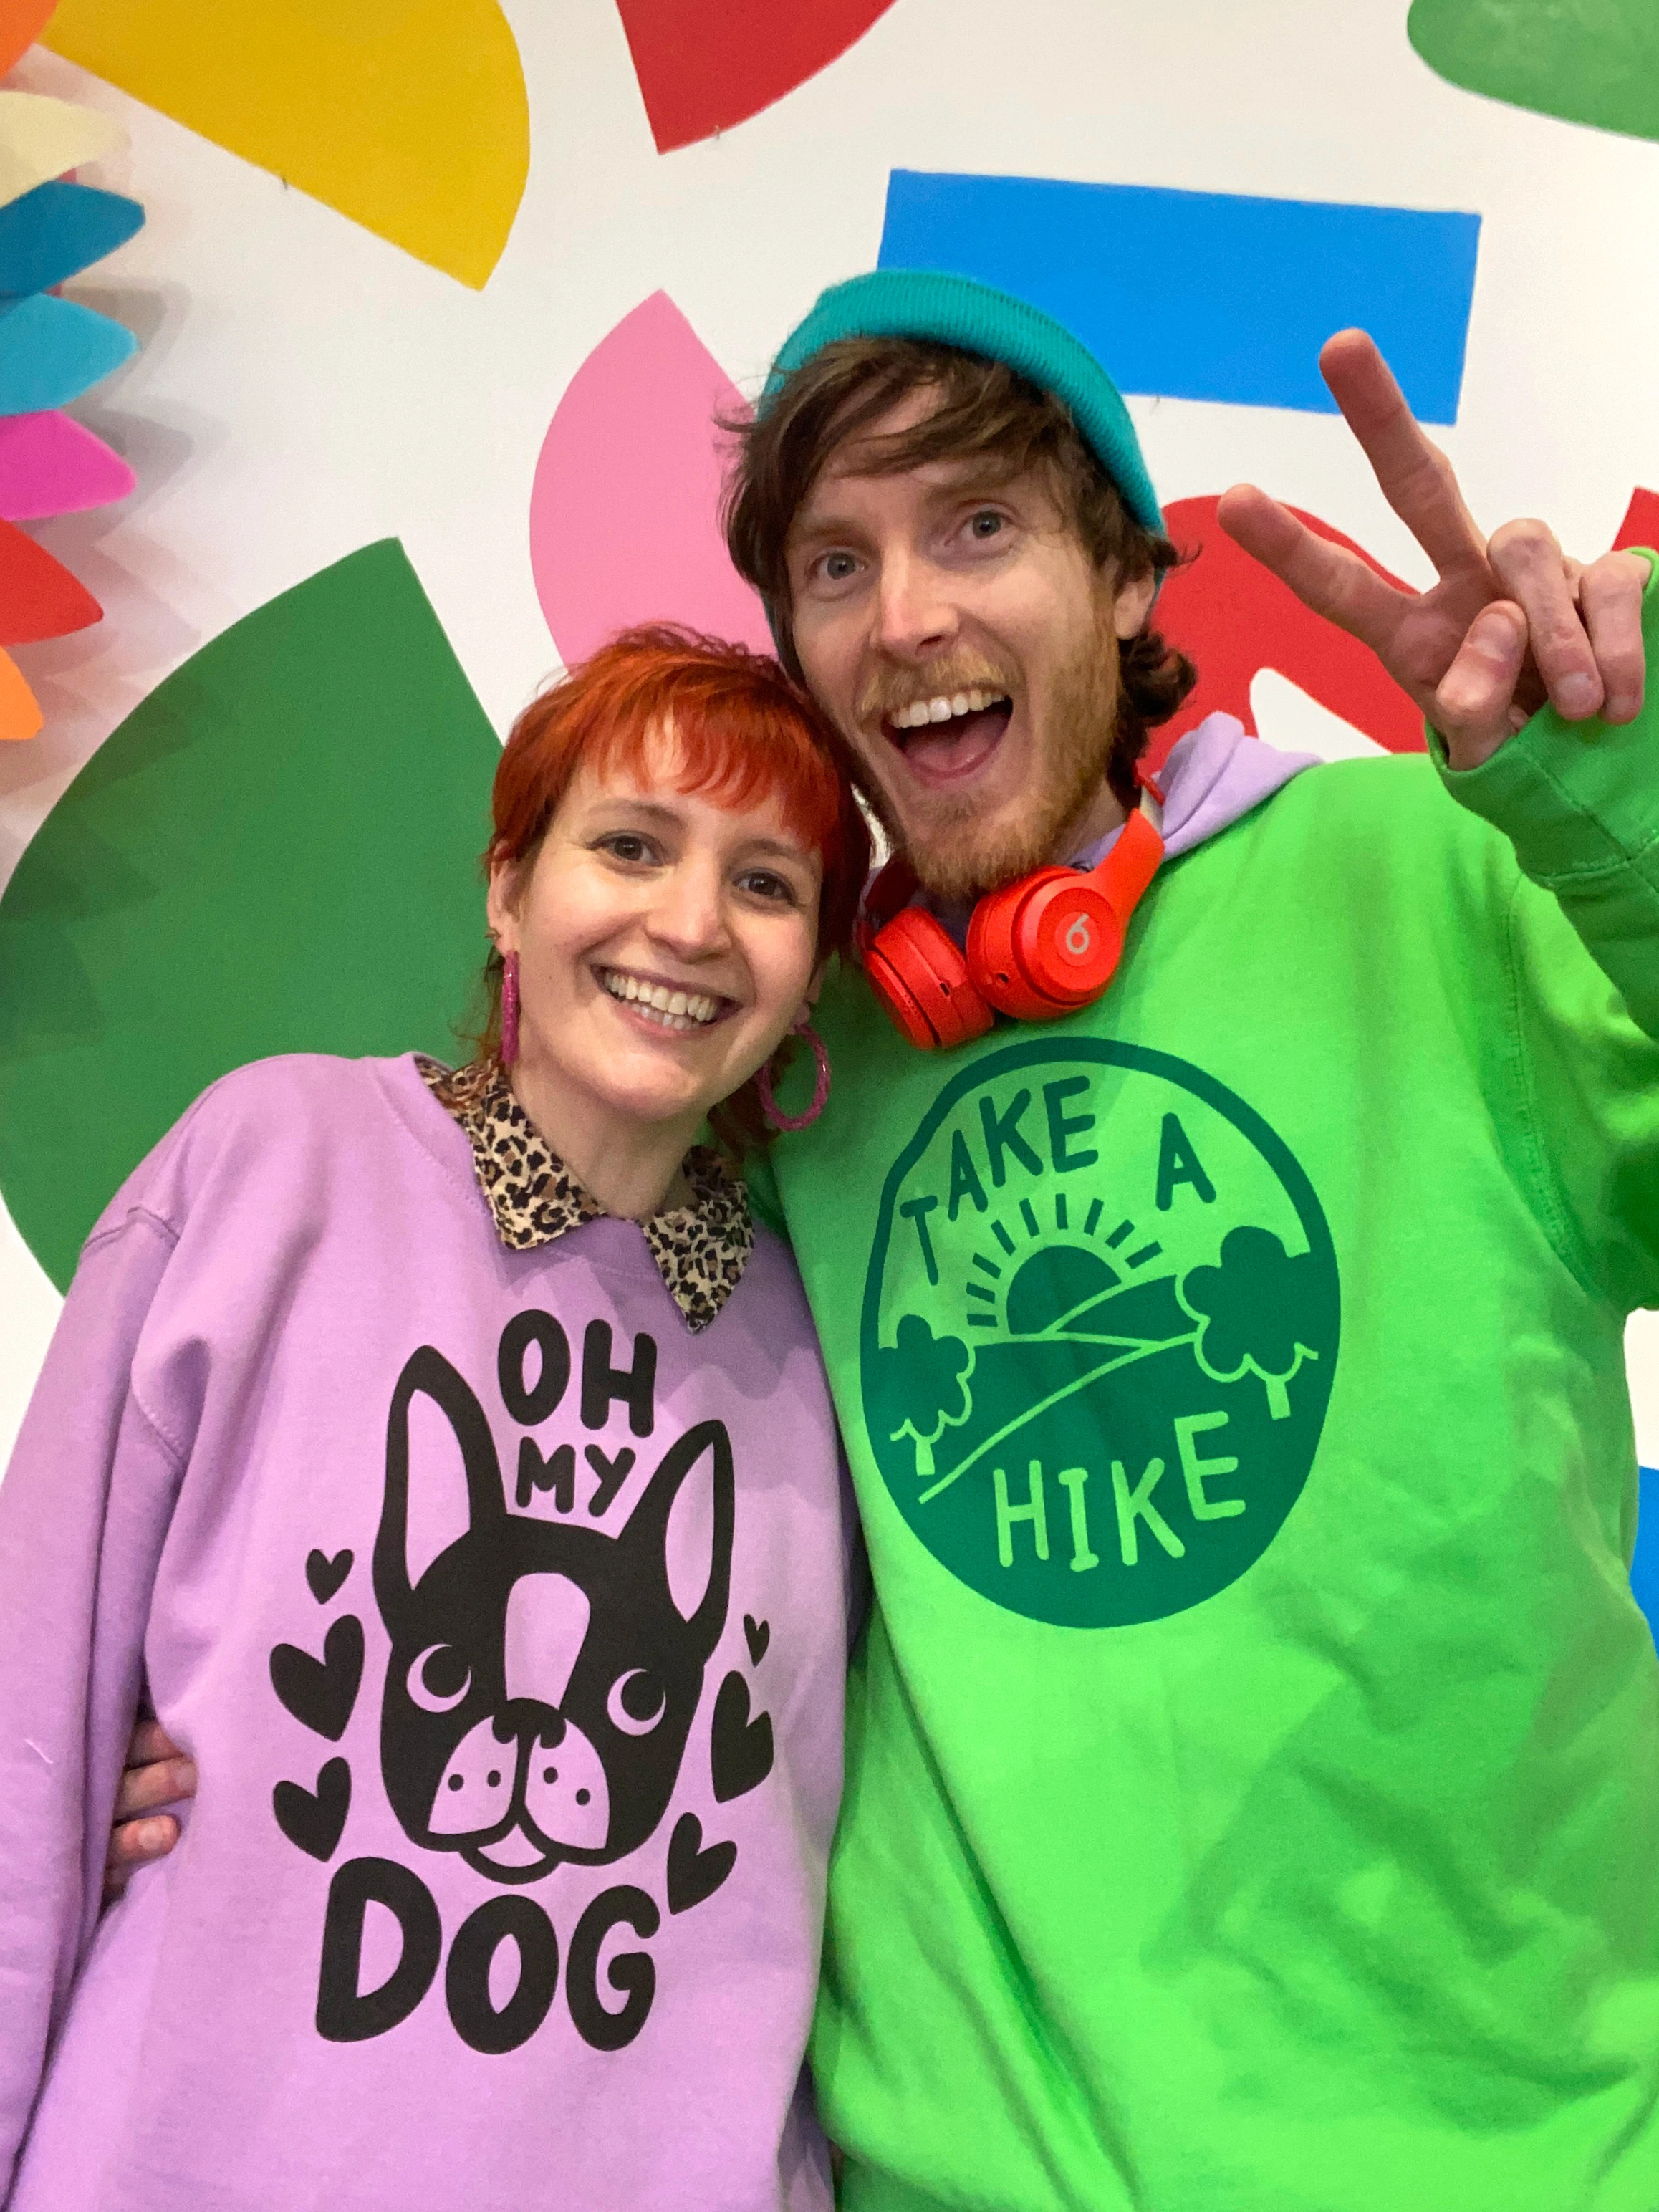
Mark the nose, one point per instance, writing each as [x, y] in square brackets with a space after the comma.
[688, 915]
[915, 617]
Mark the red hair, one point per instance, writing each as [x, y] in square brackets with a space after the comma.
[746, 733]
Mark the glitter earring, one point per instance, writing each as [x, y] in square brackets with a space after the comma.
[820, 1090]
[509, 1008]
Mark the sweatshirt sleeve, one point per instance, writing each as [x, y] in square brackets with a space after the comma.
[84, 1510]
[1579, 801]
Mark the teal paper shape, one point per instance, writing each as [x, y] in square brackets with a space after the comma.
[51, 350]
[276, 852]
[1585, 61]
[52, 233]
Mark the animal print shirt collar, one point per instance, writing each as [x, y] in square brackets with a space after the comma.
[700, 1249]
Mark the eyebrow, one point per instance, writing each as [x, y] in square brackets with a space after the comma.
[659, 812]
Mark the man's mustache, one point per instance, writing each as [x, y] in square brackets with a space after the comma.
[888, 690]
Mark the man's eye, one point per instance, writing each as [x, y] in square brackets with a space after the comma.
[986, 524]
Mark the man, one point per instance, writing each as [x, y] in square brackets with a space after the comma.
[1253, 1778]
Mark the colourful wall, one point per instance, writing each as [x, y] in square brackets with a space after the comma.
[473, 278]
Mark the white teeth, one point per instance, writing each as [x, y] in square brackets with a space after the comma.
[675, 1010]
[921, 711]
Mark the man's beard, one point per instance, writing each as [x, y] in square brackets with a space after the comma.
[953, 855]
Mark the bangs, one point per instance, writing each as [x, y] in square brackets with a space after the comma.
[698, 733]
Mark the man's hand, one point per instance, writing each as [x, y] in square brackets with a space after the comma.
[1511, 621]
[157, 1774]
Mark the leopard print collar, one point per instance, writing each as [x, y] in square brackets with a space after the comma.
[700, 1249]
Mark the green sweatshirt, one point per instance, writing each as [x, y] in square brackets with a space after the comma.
[1253, 1796]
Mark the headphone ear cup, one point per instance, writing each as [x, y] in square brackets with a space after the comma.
[921, 979]
[1002, 939]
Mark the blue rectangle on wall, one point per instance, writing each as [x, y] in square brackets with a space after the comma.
[1206, 295]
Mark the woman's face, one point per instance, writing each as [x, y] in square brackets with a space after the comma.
[666, 943]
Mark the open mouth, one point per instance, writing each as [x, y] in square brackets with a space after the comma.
[665, 1006]
[951, 736]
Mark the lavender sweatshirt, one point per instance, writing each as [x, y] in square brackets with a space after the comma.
[506, 1621]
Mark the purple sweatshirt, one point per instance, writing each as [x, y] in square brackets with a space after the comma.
[506, 1621]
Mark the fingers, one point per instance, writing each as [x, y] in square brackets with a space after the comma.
[1529, 564]
[136, 1844]
[1610, 602]
[150, 1740]
[162, 1782]
[1413, 475]
[1475, 708]
[1334, 582]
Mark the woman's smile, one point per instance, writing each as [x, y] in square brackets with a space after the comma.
[662, 1004]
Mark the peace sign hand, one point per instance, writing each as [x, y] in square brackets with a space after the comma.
[1510, 621]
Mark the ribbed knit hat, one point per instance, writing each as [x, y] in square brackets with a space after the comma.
[959, 311]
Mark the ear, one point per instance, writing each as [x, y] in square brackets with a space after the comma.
[1132, 604]
[503, 900]
[425, 1509]
[685, 1516]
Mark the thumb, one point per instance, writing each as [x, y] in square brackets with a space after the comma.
[1474, 707]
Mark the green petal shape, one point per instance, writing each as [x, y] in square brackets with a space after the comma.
[276, 852]
[1586, 61]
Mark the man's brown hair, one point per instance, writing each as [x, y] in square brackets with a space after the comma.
[986, 412]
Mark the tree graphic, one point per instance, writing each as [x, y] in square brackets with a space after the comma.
[919, 1386]
[1255, 1309]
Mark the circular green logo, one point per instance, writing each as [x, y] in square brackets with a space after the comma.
[1099, 1332]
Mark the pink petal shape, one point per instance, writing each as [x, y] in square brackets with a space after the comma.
[624, 510]
[51, 464]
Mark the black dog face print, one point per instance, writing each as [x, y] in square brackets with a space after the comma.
[546, 1669]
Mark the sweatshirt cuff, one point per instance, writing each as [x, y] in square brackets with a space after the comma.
[1578, 800]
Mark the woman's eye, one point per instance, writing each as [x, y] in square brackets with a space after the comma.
[625, 845]
[764, 885]
[836, 568]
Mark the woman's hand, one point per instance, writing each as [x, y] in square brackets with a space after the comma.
[157, 1774]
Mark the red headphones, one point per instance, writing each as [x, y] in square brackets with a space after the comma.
[1037, 949]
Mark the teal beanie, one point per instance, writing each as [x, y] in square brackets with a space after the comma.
[959, 311]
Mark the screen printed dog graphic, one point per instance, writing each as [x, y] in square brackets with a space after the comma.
[543, 1674]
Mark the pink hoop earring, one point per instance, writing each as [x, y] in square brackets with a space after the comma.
[820, 1090]
[509, 1008]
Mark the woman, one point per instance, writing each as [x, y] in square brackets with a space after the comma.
[449, 1459]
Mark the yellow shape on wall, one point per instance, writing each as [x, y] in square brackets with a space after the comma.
[409, 116]
[39, 138]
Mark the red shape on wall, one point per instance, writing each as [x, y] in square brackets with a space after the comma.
[1641, 524]
[1233, 616]
[704, 65]
[39, 597]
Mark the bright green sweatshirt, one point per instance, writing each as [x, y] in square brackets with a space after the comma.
[1253, 1796]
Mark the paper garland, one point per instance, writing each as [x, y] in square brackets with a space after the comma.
[52, 233]
[53, 464]
[39, 138]
[52, 352]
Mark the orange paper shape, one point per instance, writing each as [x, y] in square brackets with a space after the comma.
[408, 116]
[39, 597]
[19, 713]
[22, 22]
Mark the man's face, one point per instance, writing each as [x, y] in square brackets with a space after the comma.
[953, 624]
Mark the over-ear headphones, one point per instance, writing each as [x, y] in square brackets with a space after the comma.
[1037, 949]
